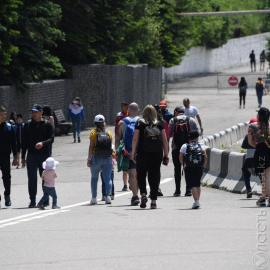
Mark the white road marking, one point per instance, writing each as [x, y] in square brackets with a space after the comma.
[41, 214]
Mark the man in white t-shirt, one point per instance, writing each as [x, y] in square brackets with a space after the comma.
[192, 112]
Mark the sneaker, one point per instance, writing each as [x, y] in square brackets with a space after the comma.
[143, 201]
[159, 193]
[7, 201]
[188, 193]
[112, 198]
[93, 201]
[196, 205]
[56, 207]
[153, 205]
[249, 194]
[177, 193]
[41, 207]
[108, 200]
[18, 167]
[46, 203]
[74, 140]
[125, 188]
[135, 200]
[103, 199]
[32, 204]
[261, 202]
[79, 139]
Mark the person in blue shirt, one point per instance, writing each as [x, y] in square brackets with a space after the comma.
[76, 114]
[167, 115]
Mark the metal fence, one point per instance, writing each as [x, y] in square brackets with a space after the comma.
[219, 81]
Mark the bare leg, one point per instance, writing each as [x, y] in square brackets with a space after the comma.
[195, 194]
[125, 174]
[133, 182]
[263, 185]
[267, 181]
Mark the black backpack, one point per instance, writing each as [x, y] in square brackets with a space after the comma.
[152, 139]
[242, 89]
[181, 129]
[104, 144]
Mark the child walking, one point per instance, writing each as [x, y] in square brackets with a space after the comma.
[194, 158]
[49, 176]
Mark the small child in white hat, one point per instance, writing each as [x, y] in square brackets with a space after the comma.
[49, 176]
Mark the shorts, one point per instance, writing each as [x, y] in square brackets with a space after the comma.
[193, 176]
[132, 165]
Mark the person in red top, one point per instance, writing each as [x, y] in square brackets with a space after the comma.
[119, 117]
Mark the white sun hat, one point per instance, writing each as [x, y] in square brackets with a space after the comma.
[50, 164]
[99, 118]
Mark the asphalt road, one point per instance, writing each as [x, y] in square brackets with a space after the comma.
[226, 233]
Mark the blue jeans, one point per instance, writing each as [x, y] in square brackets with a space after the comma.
[259, 95]
[105, 164]
[34, 162]
[103, 186]
[48, 191]
[76, 125]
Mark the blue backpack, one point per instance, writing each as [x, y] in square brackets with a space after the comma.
[194, 155]
[129, 131]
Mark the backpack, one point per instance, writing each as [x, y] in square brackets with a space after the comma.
[242, 89]
[259, 87]
[104, 144]
[181, 129]
[194, 155]
[152, 139]
[129, 131]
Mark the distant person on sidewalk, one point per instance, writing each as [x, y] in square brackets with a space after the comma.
[12, 118]
[249, 164]
[242, 86]
[262, 60]
[47, 114]
[252, 60]
[259, 91]
[259, 137]
[191, 111]
[167, 115]
[193, 157]
[19, 131]
[7, 144]
[121, 115]
[76, 114]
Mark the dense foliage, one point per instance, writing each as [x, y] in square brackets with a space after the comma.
[42, 39]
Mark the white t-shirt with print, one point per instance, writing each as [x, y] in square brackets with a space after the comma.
[184, 149]
[191, 112]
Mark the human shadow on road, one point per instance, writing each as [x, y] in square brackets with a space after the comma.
[142, 209]
[259, 207]
[20, 208]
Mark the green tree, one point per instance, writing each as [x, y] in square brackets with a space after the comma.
[37, 34]
[8, 17]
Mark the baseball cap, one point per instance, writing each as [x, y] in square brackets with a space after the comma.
[162, 103]
[99, 118]
[179, 109]
[36, 108]
[193, 134]
[253, 120]
[263, 111]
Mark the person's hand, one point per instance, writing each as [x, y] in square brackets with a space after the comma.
[23, 162]
[135, 158]
[15, 161]
[39, 145]
[166, 160]
[89, 163]
[201, 129]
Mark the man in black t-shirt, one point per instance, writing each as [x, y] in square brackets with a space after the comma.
[252, 60]
[37, 139]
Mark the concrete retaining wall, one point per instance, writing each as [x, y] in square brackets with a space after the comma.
[232, 54]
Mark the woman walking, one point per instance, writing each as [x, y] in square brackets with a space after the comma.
[76, 114]
[262, 60]
[259, 137]
[100, 158]
[242, 92]
[150, 134]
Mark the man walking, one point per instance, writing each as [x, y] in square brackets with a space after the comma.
[125, 132]
[179, 127]
[252, 60]
[7, 143]
[121, 115]
[259, 91]
[191, 111]
[167, 115]
[37, 139]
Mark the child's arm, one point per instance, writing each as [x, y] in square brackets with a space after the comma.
[205, 159]
[42, 177]
[181, 158]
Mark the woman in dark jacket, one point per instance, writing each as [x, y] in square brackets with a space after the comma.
[242, 92]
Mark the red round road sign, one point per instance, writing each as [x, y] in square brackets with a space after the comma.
[233, 81]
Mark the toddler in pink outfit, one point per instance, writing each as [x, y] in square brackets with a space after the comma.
[49, 176]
